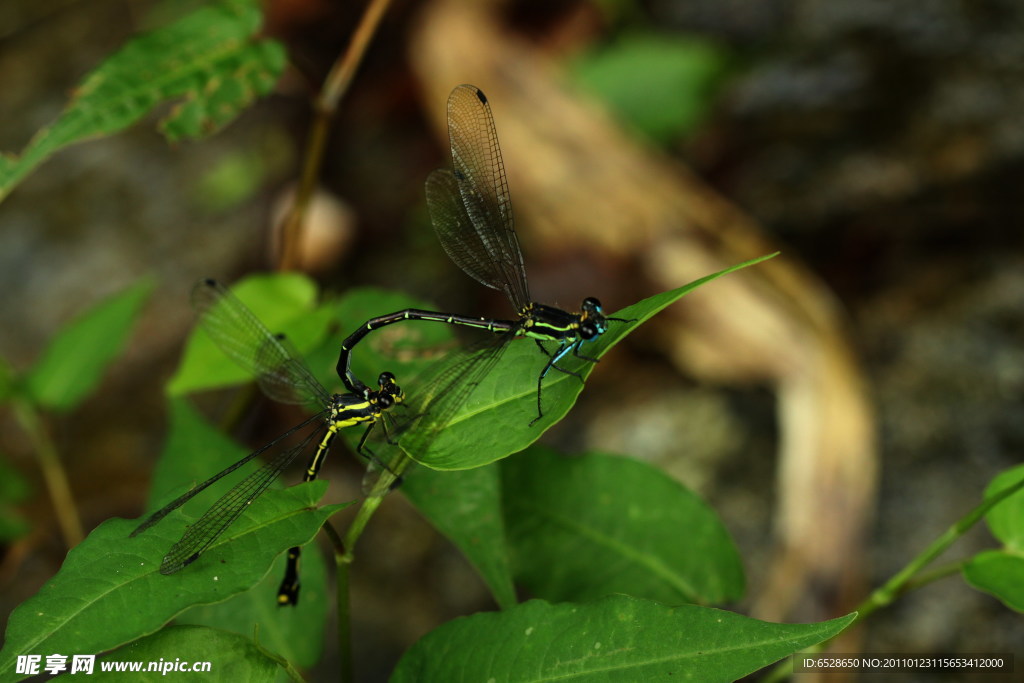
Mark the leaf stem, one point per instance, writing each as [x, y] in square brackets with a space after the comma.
[344, 555]
[346, 673]
[334, 88]
[53, 470]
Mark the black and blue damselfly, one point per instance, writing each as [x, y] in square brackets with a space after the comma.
[472, 215]
[282, 377]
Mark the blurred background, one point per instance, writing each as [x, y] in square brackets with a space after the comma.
[839, 406]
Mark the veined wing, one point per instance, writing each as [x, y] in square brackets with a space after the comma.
[444, 388]
[485, 244]
[247, 341]
[201, 534]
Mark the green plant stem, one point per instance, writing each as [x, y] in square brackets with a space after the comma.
[344, 555]
[933, 575]
[912, 575]
[347, 672]
[334, 88]
[898, 584]
[53, 471]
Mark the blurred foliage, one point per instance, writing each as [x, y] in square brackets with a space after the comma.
[680, 78]
[13, 490]
[68, 370]
[239, 174]
[211, 63]
[72, 365]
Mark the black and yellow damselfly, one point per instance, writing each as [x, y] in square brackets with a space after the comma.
[283, 377]
[472, 215]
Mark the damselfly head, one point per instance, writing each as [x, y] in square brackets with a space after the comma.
[592, 306]
[389, 392]
[588, 330]
[592, 320]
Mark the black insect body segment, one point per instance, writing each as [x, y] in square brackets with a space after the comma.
[471, 211]
[283, 377]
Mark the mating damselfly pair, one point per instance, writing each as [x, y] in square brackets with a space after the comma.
[471, 212]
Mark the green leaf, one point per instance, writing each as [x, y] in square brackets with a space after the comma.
[584, 527]
[109, 590]
[231, 657]
[1000, 574]
[680, 77]
[284, 302]
[465, 506]
[211, 61]
[494, 421]
[617, 638]
[1006, 519]
[73, 363]
[295, 633]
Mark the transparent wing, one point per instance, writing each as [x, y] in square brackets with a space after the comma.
[482, 238]
[242, 337]
[194, 491]
[203, 532]
[456, 233]
[440, 391]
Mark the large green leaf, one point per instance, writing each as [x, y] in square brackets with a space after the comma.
[285, 303]
[617, 638]
[109, 592]
[465, 506]
[212, 62]
[494, 421]
[232, 657]
[73, 363]
[583, 527]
